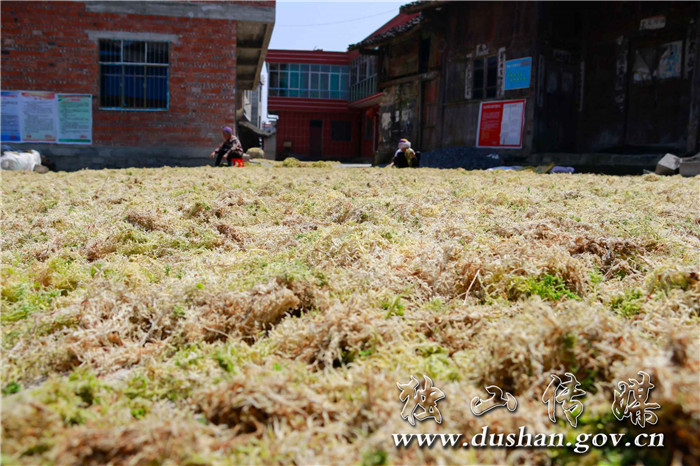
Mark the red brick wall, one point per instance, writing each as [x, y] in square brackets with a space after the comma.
[295, 127]
[45, 47]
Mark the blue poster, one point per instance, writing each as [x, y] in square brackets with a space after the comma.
[518, 74]
[10, 116]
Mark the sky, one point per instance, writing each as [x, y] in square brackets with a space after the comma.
[328, 25]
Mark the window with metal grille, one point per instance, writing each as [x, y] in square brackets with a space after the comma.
[133, 75]
[485, 78]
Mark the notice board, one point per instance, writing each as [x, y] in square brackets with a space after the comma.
[74, 118]
[37, 116]
[518, 74]
[10, 116]
[41, 116]
[501, 124]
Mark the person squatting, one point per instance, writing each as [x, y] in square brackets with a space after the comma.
[229, 150]
[404, 156]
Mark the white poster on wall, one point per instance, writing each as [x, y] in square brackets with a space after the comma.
[74, 118]
[512, 124]
[38, 115]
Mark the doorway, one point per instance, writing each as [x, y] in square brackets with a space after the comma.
[316, 138]
[558, 133]
[657, 103]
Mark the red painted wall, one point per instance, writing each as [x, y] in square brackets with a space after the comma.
[306, 104]
[295, 114]
[45, 47]
[369, 117]
[295, 126]
[315, 57]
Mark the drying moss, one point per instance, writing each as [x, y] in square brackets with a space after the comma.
[266, 314]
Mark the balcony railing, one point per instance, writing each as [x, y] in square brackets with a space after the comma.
[363, 89]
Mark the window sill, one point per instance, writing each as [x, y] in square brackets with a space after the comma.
[134, 109]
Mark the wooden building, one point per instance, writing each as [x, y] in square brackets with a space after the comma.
[532, 78]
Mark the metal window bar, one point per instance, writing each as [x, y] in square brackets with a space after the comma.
[158, 87]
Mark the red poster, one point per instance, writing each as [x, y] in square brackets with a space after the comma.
[501, 124]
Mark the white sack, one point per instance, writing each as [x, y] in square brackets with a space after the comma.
[12, 160]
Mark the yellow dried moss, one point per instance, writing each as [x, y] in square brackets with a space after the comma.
[264, 315]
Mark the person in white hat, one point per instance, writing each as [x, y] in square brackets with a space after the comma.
[404, 156]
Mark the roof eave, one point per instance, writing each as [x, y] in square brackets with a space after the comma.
[421, 5]
[389, 35]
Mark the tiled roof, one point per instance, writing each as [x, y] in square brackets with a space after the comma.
[419, 5]
[410, 6]
[390, 34]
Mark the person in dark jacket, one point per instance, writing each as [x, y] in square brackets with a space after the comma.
[229, 150]
[404, 156]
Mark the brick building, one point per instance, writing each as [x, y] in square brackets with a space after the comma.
[327, 102]
[164, 76]
[308, 90]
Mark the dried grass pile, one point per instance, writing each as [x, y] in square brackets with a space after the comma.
[265, 315]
